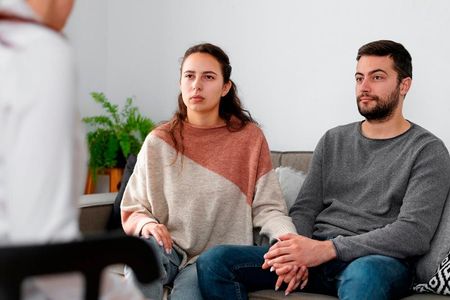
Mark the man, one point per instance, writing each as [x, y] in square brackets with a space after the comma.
[369, 206]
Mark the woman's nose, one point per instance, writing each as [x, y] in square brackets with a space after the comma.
[196, 84]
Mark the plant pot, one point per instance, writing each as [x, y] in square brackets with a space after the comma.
[115, 176]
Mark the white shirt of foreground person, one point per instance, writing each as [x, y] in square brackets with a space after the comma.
[42, 149]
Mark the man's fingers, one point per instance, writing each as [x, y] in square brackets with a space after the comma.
[283, 259]
[272, 253]
[287, 236]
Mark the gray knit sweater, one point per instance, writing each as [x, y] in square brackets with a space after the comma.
[374, 196]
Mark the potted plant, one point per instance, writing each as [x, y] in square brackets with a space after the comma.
[113, 136]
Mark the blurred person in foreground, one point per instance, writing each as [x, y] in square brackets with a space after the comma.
[42, 151]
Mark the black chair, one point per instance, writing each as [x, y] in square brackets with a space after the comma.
[114, 222]
[88, 256]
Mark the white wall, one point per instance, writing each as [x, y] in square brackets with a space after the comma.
[293, 61]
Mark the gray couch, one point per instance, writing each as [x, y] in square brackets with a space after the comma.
[96, 208]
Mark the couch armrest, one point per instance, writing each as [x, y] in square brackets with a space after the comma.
[95, 210]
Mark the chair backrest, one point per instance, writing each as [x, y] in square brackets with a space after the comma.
[88, 256]
[114, 222]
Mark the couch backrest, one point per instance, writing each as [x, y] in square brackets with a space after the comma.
[298, 160]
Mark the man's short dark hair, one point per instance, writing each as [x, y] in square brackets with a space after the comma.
[401, 56]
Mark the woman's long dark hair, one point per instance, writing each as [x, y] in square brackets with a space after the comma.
[229, 106]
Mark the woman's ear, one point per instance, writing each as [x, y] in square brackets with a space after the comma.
[226, 88]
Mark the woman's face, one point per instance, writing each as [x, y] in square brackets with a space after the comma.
[202, 85]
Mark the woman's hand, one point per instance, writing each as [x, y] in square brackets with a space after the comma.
[295, 278]
[160, 233]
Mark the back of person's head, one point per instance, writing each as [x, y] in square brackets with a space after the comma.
[50, 13]
[398, 53]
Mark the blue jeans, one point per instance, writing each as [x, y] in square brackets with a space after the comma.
[230, 272]
[183, 281]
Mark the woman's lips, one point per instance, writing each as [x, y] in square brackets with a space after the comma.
[196, 98]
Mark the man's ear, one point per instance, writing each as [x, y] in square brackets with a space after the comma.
[226, 88]
[405, 84]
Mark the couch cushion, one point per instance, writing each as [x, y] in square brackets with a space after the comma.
[291, 181]
[440, 245]
[273, 295]
[440, 282]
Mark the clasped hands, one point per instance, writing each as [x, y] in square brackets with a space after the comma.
[291, 257]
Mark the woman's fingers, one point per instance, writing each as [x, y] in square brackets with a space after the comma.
[283, 269]
[164, 236]
[160, 233]
[305, 276]
[279, 282]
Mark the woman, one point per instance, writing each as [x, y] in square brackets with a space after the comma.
[42, 154]
[203, 179]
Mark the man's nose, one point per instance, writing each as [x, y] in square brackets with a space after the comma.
[364, 86]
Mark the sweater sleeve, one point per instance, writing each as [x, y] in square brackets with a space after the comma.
[136, 208]
[411, 233]
[309, 201]
[268, 206]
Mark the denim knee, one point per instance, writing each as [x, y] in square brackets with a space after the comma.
[213, 259]
[374, 277]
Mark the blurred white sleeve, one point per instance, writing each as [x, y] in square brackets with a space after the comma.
[44, 152]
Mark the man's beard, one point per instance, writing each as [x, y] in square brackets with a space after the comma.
[383, 109]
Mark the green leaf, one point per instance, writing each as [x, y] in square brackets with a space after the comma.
[116, 134]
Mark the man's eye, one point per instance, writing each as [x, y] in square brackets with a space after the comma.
[359, 79]
[209, 77]
[189, 76]
[377, 77]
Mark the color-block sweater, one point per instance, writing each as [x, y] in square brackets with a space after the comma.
[216, 192]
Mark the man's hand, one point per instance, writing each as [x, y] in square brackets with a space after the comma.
[160, 233]
[298, 250]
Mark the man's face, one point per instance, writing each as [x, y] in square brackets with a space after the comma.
[377, 87]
